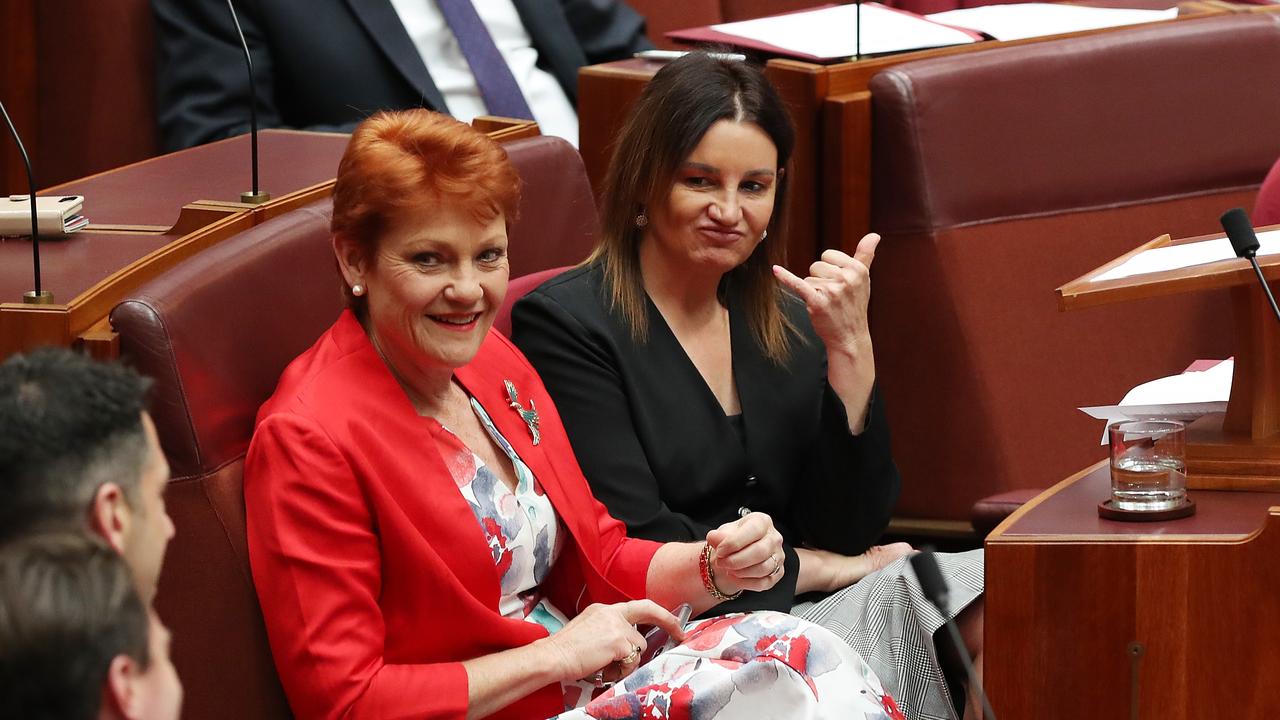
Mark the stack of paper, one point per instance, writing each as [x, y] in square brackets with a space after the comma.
[1026, 20]
[833, 32]
[1177, 257]
[1184, 397]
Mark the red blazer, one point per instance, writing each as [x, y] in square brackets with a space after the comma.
[375, 579]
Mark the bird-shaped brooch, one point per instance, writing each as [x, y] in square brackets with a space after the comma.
[530, 416]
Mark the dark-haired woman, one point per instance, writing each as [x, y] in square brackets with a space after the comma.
[700, 381]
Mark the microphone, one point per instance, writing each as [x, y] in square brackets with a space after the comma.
[37, 296]
[935, 589]
[1244, 241]
[253, 197]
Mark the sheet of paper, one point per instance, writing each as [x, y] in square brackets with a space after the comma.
[1176, 257]
[1025, 20]
[830, 32]
[1185, 397]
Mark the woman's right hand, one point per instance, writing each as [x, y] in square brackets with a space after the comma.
[602, 636]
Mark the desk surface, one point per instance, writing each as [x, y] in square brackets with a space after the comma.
[147, 196]
[288, 160]
[1068, 512]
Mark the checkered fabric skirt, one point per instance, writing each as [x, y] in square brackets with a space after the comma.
[889, 621]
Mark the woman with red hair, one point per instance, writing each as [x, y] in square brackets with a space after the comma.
[422, 540]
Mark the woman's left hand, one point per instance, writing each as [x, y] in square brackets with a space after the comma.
[836, 293]
[747, 554]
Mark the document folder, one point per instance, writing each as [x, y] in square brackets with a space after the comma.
[55, 215]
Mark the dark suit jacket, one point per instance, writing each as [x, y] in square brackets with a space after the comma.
[328, 64]
[660, 453]
[375, 579]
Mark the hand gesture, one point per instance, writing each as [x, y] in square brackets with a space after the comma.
[604, 638]
[836, 293]
[747, 554]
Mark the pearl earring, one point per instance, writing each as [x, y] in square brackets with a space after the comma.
[642, 220]
[357, 290]
[764, 235]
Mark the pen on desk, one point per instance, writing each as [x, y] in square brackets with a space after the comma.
[669, 55]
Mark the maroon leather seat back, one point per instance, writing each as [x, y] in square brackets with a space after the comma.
[215, 333]
[1002, 175]
[518, 288]
[557, 223]
[1267, 209]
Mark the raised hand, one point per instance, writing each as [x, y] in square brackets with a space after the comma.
[836, 292]
[604, 638]
[747, 554]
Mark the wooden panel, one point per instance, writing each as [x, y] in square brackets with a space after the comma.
[803, 87]
[846, 170]
[606, 94]
[17, 90]
[1062, 612]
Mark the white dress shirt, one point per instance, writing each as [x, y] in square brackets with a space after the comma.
[449, 70]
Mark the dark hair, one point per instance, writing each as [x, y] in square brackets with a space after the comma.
[68, 606]
[678, 106]
[70, 424]
[402, 159]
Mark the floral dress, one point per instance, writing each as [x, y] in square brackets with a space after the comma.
[753, 665]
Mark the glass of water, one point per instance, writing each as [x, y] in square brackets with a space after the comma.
[1148, 464]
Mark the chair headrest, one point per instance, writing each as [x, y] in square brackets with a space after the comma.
[557, 223]
[1160, 111]
[216, 332]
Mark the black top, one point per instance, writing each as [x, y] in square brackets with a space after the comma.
[660, 452]
[328, 64]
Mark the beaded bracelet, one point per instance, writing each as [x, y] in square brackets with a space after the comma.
[709, 576]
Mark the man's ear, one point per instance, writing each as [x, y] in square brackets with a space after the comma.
[351, 260]
[109, 515]
[120, 696]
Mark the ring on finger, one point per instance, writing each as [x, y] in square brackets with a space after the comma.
[777, 566]
[631, 656]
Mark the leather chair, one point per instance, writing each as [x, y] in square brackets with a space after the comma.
[518, 288]
[1266, 211]
[557, 220]
[1002, 175]
[215, 333]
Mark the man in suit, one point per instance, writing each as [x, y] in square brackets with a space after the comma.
[327, 64]
[79, 452]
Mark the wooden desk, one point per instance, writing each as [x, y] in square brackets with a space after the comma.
[1069, 595]
[831, 108]
[145, 218]
[151, 215]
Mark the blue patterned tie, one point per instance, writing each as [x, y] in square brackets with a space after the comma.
[497, 85]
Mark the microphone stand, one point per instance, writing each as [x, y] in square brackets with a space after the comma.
[858, 30]
[935, 589]
[1244, 241]
[254, 197]
[37, 296]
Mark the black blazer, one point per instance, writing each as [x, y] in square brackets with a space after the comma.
[328, 64]
[660, 453]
